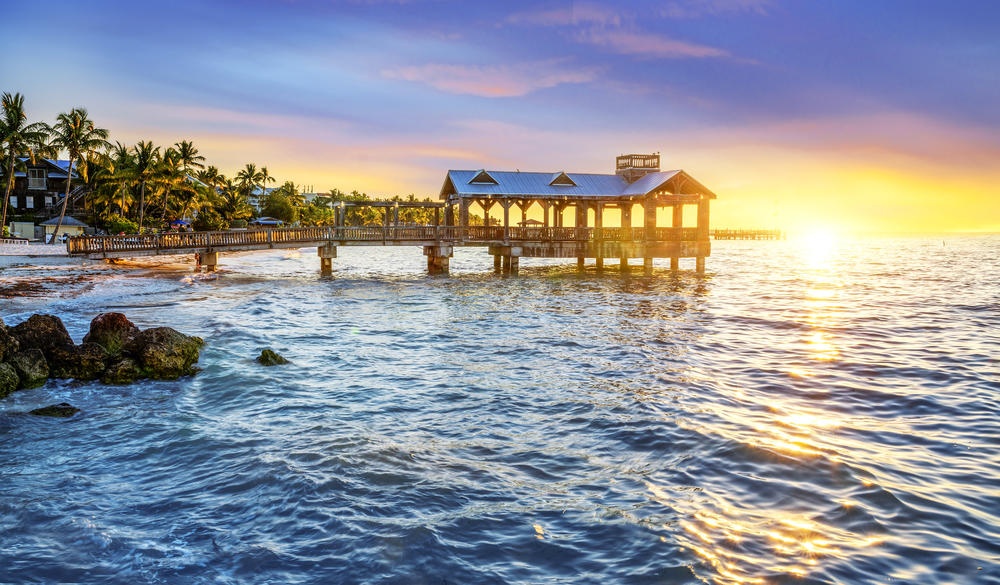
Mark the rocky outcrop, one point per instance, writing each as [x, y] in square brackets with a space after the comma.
[8, 380]
[61, 410]
[8, 345]
[31, 367]
[268, 357]
[114, 351]
[112, 331]
[164, 354]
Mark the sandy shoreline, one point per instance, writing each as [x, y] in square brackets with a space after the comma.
[33, 249]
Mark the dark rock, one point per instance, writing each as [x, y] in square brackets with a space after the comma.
[124, 371]
[112, 331]
[8, 344]
[164, 353]
[81, 362]
[8, 380]
[61, 410]
[31, 367]
[44, 332]
[267, 357]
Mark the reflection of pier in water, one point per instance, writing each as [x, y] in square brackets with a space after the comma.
[637, 183]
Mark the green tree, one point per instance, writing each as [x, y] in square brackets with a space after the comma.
[75, 133]
[145, 158]
[283, 203]
[17, 137]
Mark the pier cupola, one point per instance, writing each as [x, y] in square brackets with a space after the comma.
[633, 167]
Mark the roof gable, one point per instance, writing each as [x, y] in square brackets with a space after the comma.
[563, 179]
[483, 178]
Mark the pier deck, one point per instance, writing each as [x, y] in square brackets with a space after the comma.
[437, 241]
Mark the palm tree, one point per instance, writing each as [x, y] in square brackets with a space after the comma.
[144, 165]
[265, 178]
[76, 133]
[188, 156]
[171, 179]
[112, 178]
[17, 137]
[248, 178]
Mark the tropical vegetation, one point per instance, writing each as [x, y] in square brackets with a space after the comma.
[120, 187]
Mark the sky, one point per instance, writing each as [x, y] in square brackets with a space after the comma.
[852, 115]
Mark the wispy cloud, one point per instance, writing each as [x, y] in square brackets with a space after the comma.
[618, 31]
[648, 45]
[575, 15]
[699, 8]
[493, 80]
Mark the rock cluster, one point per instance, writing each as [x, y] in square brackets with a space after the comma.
[115, 351]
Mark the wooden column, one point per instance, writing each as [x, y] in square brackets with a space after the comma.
[626, 225]
[506, 203]
[599, 235]
[649, 225]
[678, 225]
[581, 222]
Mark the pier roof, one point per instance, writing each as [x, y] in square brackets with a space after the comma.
[562, 185]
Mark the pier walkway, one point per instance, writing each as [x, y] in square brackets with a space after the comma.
[506, 244]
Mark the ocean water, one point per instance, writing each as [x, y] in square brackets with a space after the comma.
[805, 412]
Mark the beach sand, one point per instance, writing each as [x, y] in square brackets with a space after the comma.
[33, 249]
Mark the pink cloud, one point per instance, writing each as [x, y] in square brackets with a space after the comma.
[699, 8]
[492, 80]
[576, 14]
[649, 45]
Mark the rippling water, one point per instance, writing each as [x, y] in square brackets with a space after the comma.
[800, 414]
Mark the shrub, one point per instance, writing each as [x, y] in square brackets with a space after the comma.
[116, 224]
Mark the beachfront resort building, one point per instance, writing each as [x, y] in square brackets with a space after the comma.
[38, 186]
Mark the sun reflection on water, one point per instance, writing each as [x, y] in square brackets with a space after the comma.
[745, 546]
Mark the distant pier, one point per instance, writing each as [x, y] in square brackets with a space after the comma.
[747, 234]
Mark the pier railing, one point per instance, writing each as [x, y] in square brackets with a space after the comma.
[179, 242]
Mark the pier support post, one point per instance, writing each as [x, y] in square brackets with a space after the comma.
[210, 260]
[326, 253]
[438, 259]
[699, 265]
[580, 263]
[510, 264]
[497, 263]
[675, 263]
[647, 266]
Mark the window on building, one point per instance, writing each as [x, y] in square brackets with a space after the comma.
[36, 178]
[13, 201]
[29, 202]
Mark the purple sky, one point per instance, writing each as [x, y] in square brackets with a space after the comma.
[874, 115]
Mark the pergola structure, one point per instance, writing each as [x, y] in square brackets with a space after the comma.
[637, 181]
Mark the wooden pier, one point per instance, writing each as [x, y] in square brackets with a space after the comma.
[637, 184]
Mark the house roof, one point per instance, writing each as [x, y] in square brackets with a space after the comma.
[483, 183]
[67, 221]
[56, 168]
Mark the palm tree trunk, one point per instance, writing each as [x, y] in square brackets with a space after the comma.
[142, 204]
[62, 213]
[6, 197]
